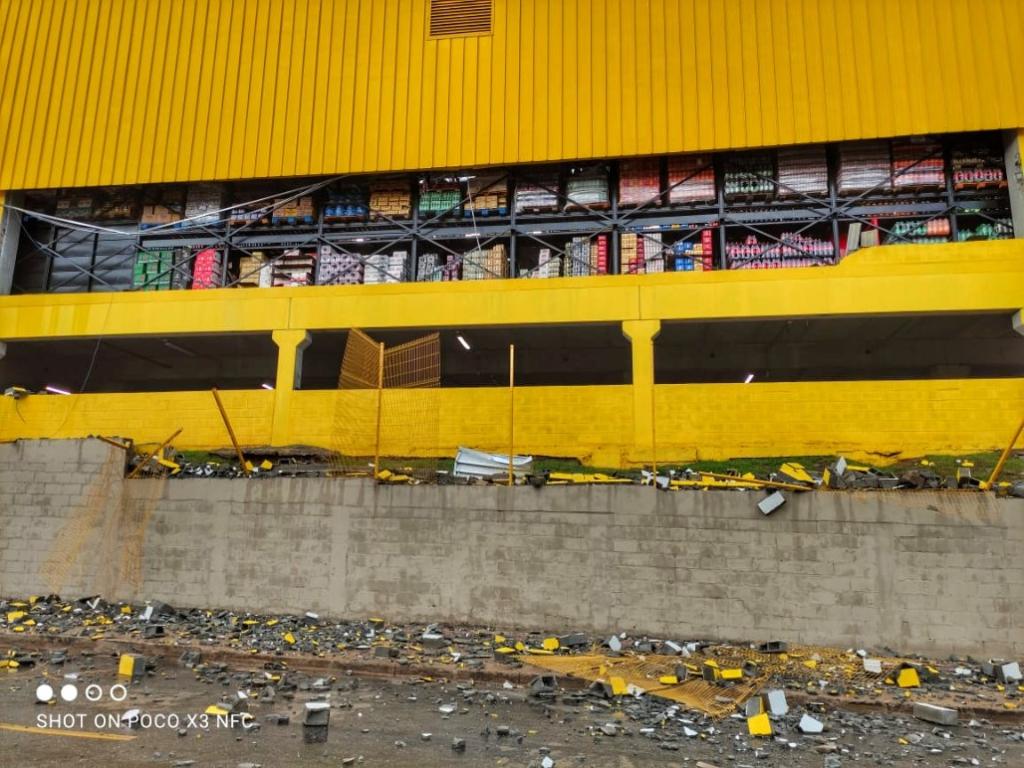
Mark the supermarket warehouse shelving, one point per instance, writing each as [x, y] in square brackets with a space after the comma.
[678, 213]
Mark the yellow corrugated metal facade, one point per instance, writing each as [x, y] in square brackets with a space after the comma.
[98, 92]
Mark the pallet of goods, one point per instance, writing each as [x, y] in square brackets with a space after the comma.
[651, 252]
[691, 179]
[251, 215]
[694, 255]
[978, 167]
[935, 230]
[864, 166]
[77, 207]
[294, 268]
[917, 165]
[486, 264]
[295, 212]
[429, 268]
[487, 195]
[335, 267]
[390, 199]
[587, 188]
[202, 205]
[630, 253]
[385, 268]
[347, 204]
[159, 216]
[794, 250]
[802, 171]
[1000, 229]
[255, 271]
[441, 199]
[538, 194]
[548, 265]
[208, 269]
[639, 183]
[749, 174]
[585, 256]
[181, 275]
[153, 270]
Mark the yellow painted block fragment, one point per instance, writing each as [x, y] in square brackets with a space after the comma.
[126, 610]
[499, 638]
[129, 665]
[759, 725]
[272, 623]
[908, 678]
[732, 674]
[550, 644]
[519, 646]
[19, 628]
[811, 664]
[504, 650]
[668, 680]
[13, 617]
[618, 685]
[289, 638]
[213, 709]
[540, 652]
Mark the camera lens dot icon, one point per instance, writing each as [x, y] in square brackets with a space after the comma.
[69, 692]
[44, 693]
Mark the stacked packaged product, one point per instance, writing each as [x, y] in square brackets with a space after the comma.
[538, 195]
[639, 183]
[803, 171]
[202, 203]
[76, 207]
[548, 265]
[487, 195]
[1000, 229]
[935, 230]
[429, 268]
[153, 270]
[294, 268]
[863, 166]
[749, 173]
[391, 199]
[694, 255]
[385, 268]
[293, 212]
[338, 268]
[485, 264]
[587, 188]
[117, 206]
[651, 252]
[255, 271]
[917, 164]
[207, 269]
[978, 167]
[586, 256]
[158, 216]
[347, 204]
[441, 199]
[691, 179]
[794, 250]
[630, 254]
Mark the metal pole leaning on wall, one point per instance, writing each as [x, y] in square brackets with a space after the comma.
[511, 412]
[380, 403]
[998, 469]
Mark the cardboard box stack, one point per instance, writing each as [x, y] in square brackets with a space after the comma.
[487, 195]
[202, 203]
[651, 251]
[864, 165]
[629, 253]
[486, 264]
[585, 256]
[691, 179]
[639, 183]
[978, 166]
[917, 164]
[77, 207]
[297, 212]
[294, 268]
[255, 271]
[803, 171]
[158, 216]
[537, 195]
[385, 268]
[207, 269]
[338, 268]
[391, 199]
[152, 270]
[587, 188]
[694, 255]
[548, 264]
[251, 215]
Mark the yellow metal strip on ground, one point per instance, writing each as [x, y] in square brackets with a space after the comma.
[62, 732]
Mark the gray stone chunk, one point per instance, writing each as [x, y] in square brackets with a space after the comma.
[770, 503]
[933, 713]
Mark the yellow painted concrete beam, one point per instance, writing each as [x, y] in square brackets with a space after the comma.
[641, 335]
[956, 277]
[290, 345]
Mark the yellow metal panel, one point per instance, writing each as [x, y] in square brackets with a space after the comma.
[132, 91]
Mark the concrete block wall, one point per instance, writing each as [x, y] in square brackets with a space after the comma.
[918, 572]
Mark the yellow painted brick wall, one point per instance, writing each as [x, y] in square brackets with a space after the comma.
[876, 420]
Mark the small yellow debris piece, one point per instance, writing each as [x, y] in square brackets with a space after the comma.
[540, 652]
[759, 725]
[618, 685]
[499, 638]
[19, 628]
[13, 617]
[504, 650]
[272, 623]
[550, 644]
[126, 610]
[668, 680]
[903, 741]
[811, 664]
[29, 622]
[519, 646]
[908, 678]
[289, 638]
[266, 464]
[249, 622]
[732, 674]
[213, 709]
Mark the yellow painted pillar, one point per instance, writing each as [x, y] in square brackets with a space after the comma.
[290, 344]
[641, 334]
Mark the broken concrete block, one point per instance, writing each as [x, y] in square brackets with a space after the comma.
[543, 686]
[153, 630]
[1008, 673]
[933, 713]
[754, 706]
[777, 704]
[316, 722]
[614, 644]
[771, 502]
[131, 666]
[573, 640]
[385, 652]
[433, 641]
[873, 666]
[458, 745]
[809, 725]
[773, 646]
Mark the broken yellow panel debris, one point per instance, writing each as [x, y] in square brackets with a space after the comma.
[550, 644]
[289, 638]
[618, 685]
[759, 725]
[732, 674]
[14, 617]
[668, 680]
[908, 678]
[213, 709]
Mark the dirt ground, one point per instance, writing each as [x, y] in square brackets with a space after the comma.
[381, 722]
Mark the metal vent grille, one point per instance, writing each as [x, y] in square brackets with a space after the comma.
[460, 17]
